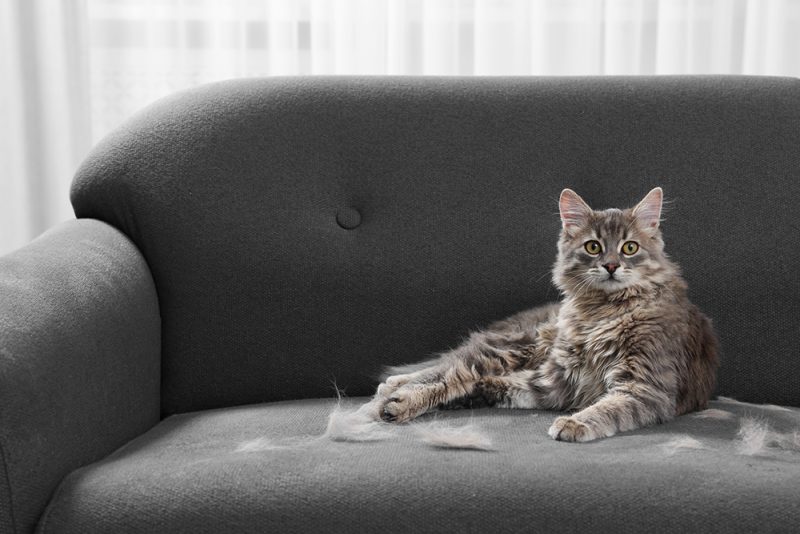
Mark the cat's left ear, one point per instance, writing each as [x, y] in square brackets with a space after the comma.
[648, 211]
[574, 211]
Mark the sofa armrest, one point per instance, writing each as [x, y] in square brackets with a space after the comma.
[80, 337]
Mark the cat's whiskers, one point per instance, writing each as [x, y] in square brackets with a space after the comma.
[543, 275]
[584, 282]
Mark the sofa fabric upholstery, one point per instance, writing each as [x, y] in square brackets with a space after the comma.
[79, 360]
[264, 468]
[306, 232]
[168, 360]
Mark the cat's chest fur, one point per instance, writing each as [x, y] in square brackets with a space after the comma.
[589, 347]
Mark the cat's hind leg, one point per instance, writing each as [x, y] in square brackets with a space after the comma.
[454, 376]
[513, 390]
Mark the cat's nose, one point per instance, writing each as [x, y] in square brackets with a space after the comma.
[611, 267]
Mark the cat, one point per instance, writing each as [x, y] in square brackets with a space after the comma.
[622, 350]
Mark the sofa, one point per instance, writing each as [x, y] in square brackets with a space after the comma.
[247, 256]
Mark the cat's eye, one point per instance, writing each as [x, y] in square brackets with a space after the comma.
[592, 247]
[629, 248]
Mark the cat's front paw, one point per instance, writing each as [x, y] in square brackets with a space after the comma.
[570, 429]
[392, 383]
[400, 407]
[396, 410]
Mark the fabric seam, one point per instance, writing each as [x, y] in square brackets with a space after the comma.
[8, 485]
[41, 526]
[42, 522]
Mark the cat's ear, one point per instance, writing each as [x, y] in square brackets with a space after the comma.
[574, 211]
[648, 211]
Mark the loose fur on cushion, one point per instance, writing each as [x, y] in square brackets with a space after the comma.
[361, 425]
[750, 427]
[355, 425]
[625, 347]
[445, 436]
[741, 429]
[683, 442]
[714, 413]
[756, 437]
[755, 434]
[259, 445]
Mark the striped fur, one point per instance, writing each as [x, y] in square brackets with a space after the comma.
[623, 349]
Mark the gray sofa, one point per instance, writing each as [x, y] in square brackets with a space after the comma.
[169, 359]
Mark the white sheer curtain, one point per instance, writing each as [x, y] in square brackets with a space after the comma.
[74, 69]
[44, 113]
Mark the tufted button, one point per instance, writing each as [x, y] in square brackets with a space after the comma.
[348, 218]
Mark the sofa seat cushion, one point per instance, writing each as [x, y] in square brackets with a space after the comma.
[264, 468]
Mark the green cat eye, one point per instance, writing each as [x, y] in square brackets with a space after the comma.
[629, 248]
[593, 247]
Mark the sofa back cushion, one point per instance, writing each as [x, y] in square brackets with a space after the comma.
[304, 232]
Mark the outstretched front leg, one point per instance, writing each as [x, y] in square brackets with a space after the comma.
[623, 408]
[408, 396]
[476, 368]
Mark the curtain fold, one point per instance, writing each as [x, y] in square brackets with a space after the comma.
[74, 69]
[44, 109]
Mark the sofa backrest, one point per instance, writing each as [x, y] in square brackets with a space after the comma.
[305, 232]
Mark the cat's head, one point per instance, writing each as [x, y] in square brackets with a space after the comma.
[610, 250]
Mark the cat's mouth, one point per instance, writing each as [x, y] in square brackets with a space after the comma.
[605, 276]
[614, 281]
[610, 282]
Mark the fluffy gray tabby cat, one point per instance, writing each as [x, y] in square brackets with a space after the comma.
[624, 349]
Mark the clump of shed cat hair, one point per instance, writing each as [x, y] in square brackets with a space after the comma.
[363, 424]
[773, 407]
[714, 413]
[683, 442]
[355, 425]
[258, 445]
[756, 437]
[445, 436]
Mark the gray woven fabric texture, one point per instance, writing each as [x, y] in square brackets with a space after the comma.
[79, 360]
[262, 468]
